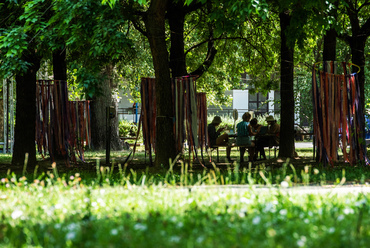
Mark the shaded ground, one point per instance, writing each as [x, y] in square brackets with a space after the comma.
[141, 162]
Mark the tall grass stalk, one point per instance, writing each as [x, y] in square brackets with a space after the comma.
[98, 170]
[268, 183]
[35, 172]
[25, 164]
[294, 174]
[55, 170]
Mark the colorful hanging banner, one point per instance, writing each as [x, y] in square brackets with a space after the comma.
[338, 115]
[190, 114]
[62, 126]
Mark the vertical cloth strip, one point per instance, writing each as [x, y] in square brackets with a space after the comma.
[62, 126]
[338, 115]
[189, 114]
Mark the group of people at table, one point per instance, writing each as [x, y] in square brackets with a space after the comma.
[245, 130]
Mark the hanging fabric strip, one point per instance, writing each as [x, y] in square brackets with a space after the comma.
[186, 117]
[338, 114]
[57, 129]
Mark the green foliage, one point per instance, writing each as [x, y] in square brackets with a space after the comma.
[127, 128]
[96, 37]
[139, 209]
[243, 43]
[227, 121]
[131, 71]
[22, 31]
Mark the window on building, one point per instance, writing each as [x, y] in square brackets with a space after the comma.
[277, 102]
[257, 103]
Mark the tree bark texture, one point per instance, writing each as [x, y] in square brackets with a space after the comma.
[155, 25]
[176, 20]
[330, 38]
[25, 118]
[357, 44]
[287, 91]
[330, 45]
[60, 65]
[60, 73]
[98, 122]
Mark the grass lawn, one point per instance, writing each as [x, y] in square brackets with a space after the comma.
[223, 205]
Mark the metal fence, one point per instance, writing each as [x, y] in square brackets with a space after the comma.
[133, 114]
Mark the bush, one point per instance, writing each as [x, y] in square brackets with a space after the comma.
[227, 121]
[127, 128]
[262, 119]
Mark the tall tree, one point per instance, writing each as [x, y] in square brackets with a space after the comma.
[286, 88]
[155, 26]
[22, 47]
[330, 36]
[359, 19]
[294, 17]
[174, 63]
[96, 42]
[25, 118]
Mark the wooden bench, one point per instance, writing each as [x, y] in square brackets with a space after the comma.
[215, 147]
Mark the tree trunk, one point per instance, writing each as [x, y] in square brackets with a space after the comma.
[357, 44]
[287, 92]
[155, 25]
[25, 118]
[176, 19]
[330, 45]
[60, 65]
[60, 73]
[330, 38]
[98, 115]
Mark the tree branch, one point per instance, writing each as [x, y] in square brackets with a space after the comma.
[135, 16]
[211, 53]
[363, 5]
[344, 37]
[138, 28]
[228, 38]
[365, 29]
[350, 6]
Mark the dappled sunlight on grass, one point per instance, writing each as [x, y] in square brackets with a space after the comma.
[123, 207]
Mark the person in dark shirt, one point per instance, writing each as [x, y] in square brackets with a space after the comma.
[216, 138]
[254, 127]
[272, 137]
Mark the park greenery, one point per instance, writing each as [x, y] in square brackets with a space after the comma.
[230, 206]
[103, 46]
[104, 43]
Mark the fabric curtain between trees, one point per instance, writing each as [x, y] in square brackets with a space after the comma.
[338, 115]
[62, 126]
[190, 115]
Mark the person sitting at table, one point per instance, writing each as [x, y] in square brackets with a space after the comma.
[270, 139]
[254, 127]
[243, 138]
[216, 138]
